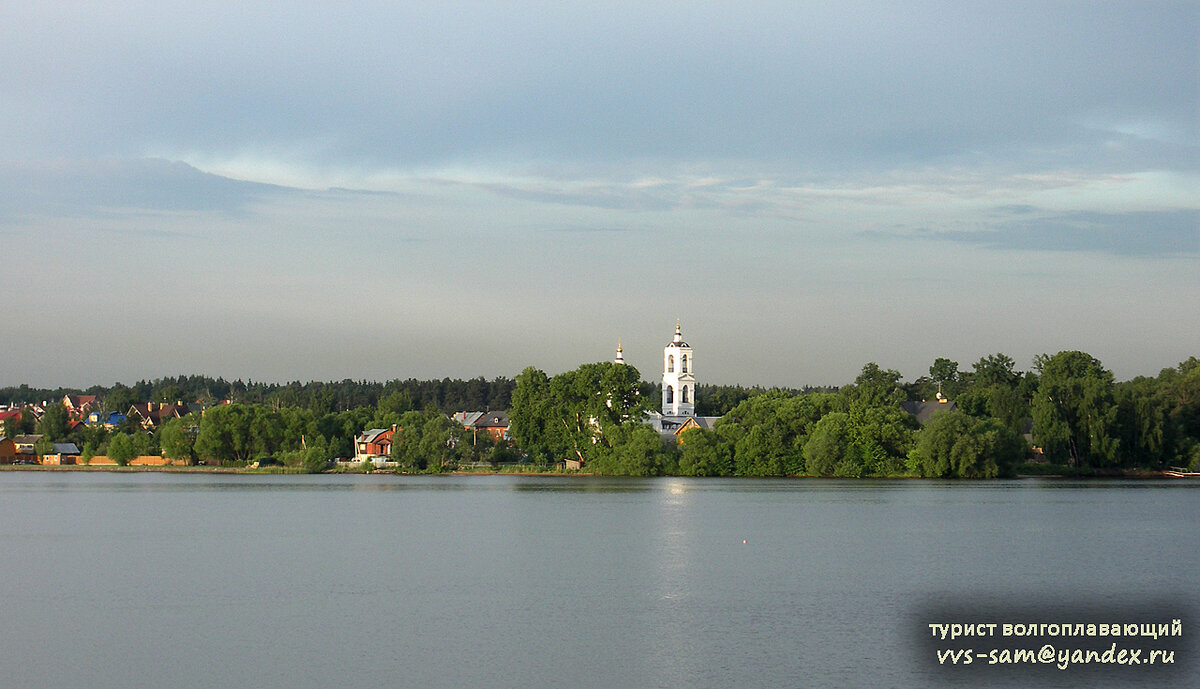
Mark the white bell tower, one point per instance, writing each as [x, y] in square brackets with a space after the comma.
[678, 381]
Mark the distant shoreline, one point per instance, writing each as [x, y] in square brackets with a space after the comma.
[114, 467]
[246, 471]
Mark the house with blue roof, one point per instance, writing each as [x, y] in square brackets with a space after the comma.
[109, 420]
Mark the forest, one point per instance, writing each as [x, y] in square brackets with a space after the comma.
[1068, 406]
[1067, 413]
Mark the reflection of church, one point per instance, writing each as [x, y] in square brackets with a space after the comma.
[678, 390]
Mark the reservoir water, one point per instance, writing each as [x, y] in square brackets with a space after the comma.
[205, 580]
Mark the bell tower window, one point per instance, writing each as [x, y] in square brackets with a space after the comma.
[670, 395]
[684, 399]
[683, 365]
[670, 363]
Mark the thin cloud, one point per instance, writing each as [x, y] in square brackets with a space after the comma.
[1153, 234]
[111, 187]
[590, 230]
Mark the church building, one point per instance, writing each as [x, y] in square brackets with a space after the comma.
[678, 390]
[678, 381]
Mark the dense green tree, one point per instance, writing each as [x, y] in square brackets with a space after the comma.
[957, 445]
[225, 433]
[531, 420]
[559, 418]
[177, 437]
[341, 428]
[882, 437]
[1003, 402]
[866, 441]
[825, 449]
[396, 403]
[704, 453]
[266, 432]
[96, 434]
[996, 369]
[1074, 414]
[323, 400]
[632, 449]
[719, 400]
[240, 432]
[1143, 422]
[121, 449]
[480, 447]
[764, 450]
[144, 444]
[767, 431]
[316, 456]
[875, 387]
[44, 446]
[429, 441]
[55, 423]
[298, 426]
[943, 371]
[120, 398]
[1178, 391]
[443, 442]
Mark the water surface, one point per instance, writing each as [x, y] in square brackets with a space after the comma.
[198, 580]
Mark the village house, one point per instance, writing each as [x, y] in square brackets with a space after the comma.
[7, 414]
[78, 405]
[466, 418]
[374, 444]
[701, 422]
[26, 452]
[923, 411]
[63, 453]
[495, 424]
[492, 423]
[109, 420]
[8, 450]
[153, 414]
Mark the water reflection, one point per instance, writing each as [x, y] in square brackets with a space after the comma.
[819, 489]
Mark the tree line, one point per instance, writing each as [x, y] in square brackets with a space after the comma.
[447, 394]
[1074, 411]
[1069, 406]
[320, 397]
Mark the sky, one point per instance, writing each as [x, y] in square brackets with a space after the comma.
[375, 190]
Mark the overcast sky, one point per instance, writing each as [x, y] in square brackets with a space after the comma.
[282, 191]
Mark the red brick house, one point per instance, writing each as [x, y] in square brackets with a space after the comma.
[375, 442]
[493, 423]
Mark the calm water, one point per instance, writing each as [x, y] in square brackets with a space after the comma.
[160, 580]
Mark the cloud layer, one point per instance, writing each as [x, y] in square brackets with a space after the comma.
[391, 189]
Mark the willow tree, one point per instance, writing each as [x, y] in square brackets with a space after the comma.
[563, 417]
[957, 445]
[1074, 414]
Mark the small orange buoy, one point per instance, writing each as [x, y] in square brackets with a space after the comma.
[743, 541]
